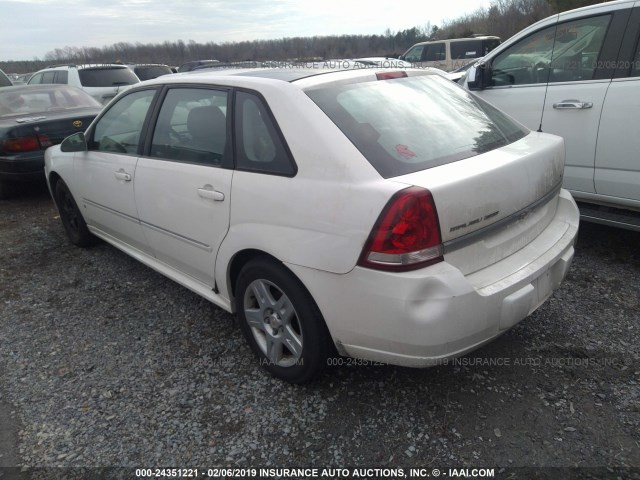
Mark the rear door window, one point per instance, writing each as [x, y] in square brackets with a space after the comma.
[48, 77]
[409, 124]
[61, 77]
[434, 52]
[192, 126]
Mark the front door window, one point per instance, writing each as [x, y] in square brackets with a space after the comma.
[560, 53]
[120, 128]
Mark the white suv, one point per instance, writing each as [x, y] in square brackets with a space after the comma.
[450, 54]
[102, 82]
[577, 75]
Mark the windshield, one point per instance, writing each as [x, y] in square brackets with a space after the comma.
[107, 77]
[404, 125]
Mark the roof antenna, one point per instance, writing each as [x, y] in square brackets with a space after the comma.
[553, 47]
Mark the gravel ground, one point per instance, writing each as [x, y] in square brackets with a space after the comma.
[104, 362]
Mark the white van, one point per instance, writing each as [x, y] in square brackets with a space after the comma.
[577, 75]
[450, 54]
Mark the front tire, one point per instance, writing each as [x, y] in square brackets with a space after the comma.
[281, 322]
[71, 217]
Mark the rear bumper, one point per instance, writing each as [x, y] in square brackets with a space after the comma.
[28, 167]
[422, 317]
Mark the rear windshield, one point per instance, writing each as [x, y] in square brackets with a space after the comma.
[43, 98]
[107, 77]
[153, 71]
[405, 125]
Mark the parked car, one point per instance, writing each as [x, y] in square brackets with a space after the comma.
[188, 66]
[4, 80]
[450, 54]
[22, 79]
[33, 118]
[577, 75]
[147, 71]
[388, 214]
[102, 82]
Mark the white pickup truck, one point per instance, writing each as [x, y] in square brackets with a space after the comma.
[577, 75]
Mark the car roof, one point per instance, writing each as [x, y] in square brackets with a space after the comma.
[136, 65]
[304, 76]
[85, 66]
[284, 74]
[462, 39]
[595, 6]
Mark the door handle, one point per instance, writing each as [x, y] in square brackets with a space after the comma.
[572, 105]
[209, 193]
[122, 175]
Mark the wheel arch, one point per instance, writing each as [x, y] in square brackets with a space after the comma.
[52, 181]
[243, 257]
[239, 260]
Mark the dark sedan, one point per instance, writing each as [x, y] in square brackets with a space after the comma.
[32, 118]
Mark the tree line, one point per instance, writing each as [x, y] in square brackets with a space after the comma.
[503, 18]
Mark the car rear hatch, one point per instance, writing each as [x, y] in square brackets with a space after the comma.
[494, 184]
[493, 205]
[105, 82]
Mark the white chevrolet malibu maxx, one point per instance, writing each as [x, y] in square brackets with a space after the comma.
[390, 215]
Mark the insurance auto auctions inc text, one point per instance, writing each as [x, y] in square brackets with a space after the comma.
[296, 473]
[343, 473]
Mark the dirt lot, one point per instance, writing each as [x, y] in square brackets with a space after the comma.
[105, 363]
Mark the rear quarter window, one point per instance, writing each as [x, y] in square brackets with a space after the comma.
[410, 124]
[260, 146]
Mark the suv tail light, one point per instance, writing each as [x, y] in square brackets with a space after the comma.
[406, 236]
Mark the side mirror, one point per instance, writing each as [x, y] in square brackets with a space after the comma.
[74, 143]
[478, 77]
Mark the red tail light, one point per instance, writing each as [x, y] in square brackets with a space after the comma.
[406, 235]
[26, 144]
[390, 75]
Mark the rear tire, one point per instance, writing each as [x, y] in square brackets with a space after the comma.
[72, 219]
[281, 322]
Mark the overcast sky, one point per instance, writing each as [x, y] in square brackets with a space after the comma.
[30, 29]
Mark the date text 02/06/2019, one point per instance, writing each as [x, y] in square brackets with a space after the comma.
[334, 473]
